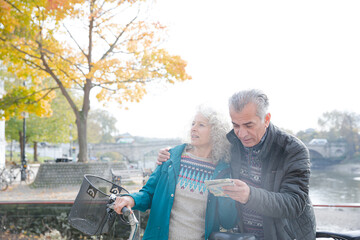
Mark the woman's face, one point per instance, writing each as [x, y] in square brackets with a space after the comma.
[200, 132]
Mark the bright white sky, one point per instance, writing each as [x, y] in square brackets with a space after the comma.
[305, 55]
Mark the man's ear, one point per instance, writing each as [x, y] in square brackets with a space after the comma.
[267, 119]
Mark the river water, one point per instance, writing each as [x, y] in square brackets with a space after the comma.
[336, 185]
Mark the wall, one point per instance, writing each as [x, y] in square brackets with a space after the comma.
[62, 174]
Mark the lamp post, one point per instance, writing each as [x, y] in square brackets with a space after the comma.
[23, 156]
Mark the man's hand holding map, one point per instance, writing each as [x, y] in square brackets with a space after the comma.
[215, 186]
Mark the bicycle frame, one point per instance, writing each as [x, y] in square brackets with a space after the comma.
[29, 174]
[3, 181]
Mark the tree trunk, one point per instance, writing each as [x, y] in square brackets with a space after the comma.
[81, 123]
[35, 152]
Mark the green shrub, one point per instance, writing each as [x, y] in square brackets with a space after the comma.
[51, 219]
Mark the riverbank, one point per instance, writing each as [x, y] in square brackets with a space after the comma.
[338, 219]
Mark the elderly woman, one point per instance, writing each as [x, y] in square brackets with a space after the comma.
[181, 207]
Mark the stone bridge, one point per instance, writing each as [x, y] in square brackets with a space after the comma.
[328, 150]
[135, 151]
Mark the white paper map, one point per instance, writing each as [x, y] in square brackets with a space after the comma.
[215, 186]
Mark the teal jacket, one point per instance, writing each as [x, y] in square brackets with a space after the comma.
[160, 190]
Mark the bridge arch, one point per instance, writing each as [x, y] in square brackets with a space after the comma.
[315, 154]
[328, 150]
[135, 151]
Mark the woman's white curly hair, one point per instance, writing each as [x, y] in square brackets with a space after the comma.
[219, 128]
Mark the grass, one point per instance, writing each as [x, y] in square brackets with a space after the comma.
[17, 158]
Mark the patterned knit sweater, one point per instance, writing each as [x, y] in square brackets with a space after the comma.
[187, 219]
[251, 174]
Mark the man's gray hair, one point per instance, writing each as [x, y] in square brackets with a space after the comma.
[240, 99]
[219, 128]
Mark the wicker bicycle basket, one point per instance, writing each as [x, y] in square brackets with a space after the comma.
[90, 214]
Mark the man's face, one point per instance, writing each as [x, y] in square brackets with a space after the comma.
[248, 127]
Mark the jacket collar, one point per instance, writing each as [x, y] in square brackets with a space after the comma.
[175, 157]
[265, 143]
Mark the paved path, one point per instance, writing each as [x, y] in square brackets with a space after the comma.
[338, 219]
[20, 191]
[23, 192]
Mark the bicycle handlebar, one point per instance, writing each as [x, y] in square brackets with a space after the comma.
[127, 213]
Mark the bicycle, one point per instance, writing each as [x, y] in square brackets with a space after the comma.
[92, 212]
[14, 172]
[3, 182]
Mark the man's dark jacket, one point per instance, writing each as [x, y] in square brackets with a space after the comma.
[283, 200]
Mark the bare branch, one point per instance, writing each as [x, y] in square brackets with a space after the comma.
[77, 44]
[72, 79]
[140, 80]
[13, 6]
[59, 83]
[102, 37]
[32, 64]
[65, 73]
[61, 57]
[109, 89]
[91, 27]
[105, 19]
[48, 92]
[112, 46]
[23, 52]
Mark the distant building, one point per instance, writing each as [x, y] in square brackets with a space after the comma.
[310, 130]
[2, 132]
[318, 141]
[124, 138]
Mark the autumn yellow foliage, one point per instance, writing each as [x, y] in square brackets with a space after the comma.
[83, 45]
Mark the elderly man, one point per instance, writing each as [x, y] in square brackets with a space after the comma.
[270, 171]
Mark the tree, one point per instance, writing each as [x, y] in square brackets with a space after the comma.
[307, 135]
[343, 125]
[24, 104]
[42, 124]
[101, 127]
[21, 98]
[84, 45]
[54, 129]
